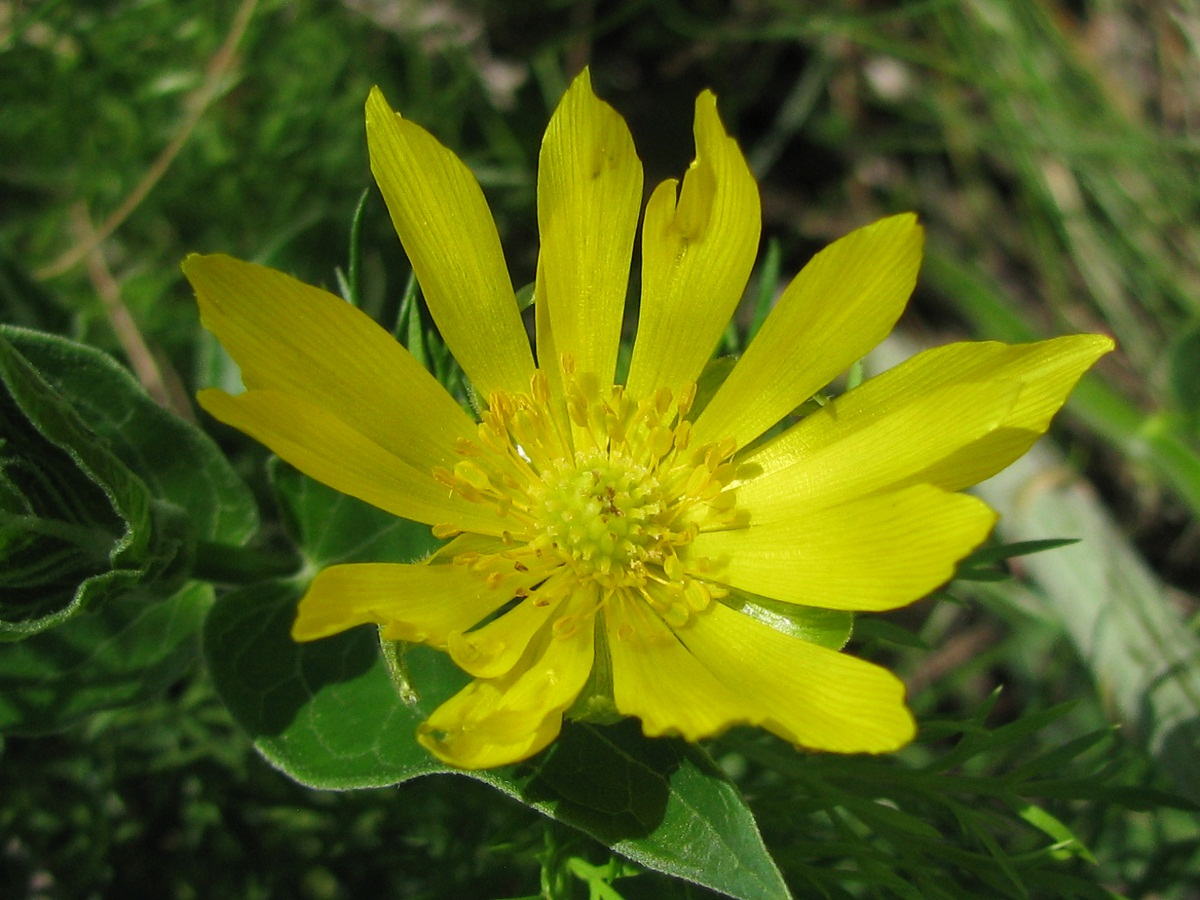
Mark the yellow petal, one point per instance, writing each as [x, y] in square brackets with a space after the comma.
[451, 240]
[589, 191]
[494, 649]
[873, 553]
[415, 602]
[1046, 372]
[829, 457]
[295, 339]
[657, 679]
[809, 695]
[494, 722]
[323, 447]
[697, 253]
[842, 304]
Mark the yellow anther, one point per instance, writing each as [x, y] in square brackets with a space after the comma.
[697, 481]
[662, 400]
[607, 504]
[472, 474]
[676, 615]
[697, 595]
[723, 501]
[493, 437]
[539, 387]
[683, 435]
[661, 441]
[466, 447]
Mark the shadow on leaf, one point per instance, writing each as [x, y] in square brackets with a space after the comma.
[264, 676]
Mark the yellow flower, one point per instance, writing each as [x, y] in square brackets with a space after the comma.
[632, 548]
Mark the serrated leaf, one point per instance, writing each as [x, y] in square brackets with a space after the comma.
[120, 652]
[76, 524]
[103, 495]
[327, 714]
[177, 461]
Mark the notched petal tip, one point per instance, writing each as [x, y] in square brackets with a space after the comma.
[699, 241]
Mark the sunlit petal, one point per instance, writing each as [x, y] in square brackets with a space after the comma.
[873, 553]
[1046, 372]
[494, 722]
[842, 304]
[589, 192]
[451, 240]
[697, 252]
[323, 447]
[822, 461]
[416, 602]
[295, 339]
[494, 649]
[809, 695]
[657, 679]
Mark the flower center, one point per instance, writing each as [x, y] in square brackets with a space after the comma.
[603, 487]
[601, 514]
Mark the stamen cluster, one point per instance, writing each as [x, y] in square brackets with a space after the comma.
[600, 486]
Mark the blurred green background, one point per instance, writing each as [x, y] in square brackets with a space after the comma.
[1049, 147]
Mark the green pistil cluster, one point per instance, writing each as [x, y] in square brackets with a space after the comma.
[601, 515]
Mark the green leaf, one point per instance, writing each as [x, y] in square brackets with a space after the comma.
[827, 627]
[662, 803]
[117, 653]
[983, 564]
[76, 524]
[101, 490]
[326, 713]
[323, 712]
[102, 497]
[1067, 844]
[177, 461]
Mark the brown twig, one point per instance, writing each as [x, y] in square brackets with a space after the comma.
[163, 386]
[199, 102]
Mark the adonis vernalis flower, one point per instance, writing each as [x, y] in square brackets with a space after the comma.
[635, 548]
